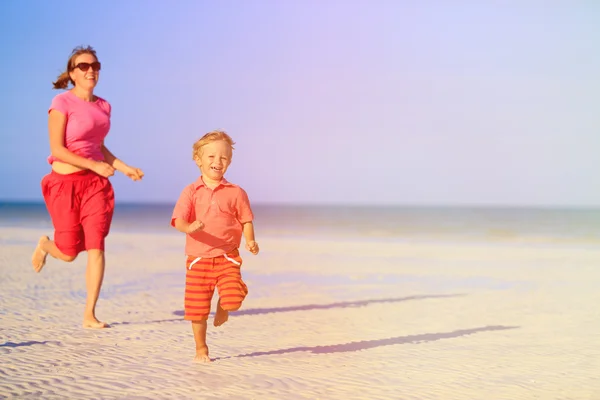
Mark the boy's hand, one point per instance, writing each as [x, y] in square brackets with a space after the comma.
[195, 227]
[252, 247]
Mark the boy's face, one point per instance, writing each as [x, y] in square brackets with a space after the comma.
[214, 159]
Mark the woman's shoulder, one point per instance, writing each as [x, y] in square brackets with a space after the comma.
[104, 104]
[62, 97]
[100, 99]
[61, 102]
[67, 101]
[63, 94]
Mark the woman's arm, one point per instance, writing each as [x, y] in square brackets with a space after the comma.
[134, 173]
[112, 160]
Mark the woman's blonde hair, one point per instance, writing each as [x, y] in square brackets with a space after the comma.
[212, 136]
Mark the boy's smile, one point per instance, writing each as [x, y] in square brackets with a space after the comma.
[214, 160]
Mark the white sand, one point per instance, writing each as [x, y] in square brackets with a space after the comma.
[462, 321]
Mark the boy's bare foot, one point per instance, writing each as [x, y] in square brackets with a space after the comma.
[221, 316]
[202, 355]
[95, 324]
[38, 259]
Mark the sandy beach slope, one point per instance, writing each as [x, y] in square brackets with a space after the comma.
[324, 320]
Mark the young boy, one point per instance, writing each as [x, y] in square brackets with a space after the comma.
[213, 214]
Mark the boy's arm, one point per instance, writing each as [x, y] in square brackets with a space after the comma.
[188, 227]
[251, 245]
[181, 218]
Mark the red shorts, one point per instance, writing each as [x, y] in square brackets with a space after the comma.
[81, 206]
[203, 275]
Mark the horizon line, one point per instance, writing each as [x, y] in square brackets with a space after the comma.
[4, 202]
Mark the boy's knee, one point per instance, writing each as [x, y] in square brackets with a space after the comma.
[232, 307]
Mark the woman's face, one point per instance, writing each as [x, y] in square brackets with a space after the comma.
[86, 72]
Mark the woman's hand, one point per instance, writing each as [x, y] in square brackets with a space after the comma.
[135, 174]
[103, 169]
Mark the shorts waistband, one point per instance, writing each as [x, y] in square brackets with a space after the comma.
[75, 176]
[232, 253]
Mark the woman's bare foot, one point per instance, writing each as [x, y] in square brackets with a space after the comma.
[38, 259]
[94, 324]
[221, 316]
[202, 355]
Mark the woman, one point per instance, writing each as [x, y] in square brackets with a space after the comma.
[78, 195]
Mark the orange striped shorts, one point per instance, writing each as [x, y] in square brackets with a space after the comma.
[201, 278]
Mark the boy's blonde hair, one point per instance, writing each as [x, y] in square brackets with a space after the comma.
[208, 138]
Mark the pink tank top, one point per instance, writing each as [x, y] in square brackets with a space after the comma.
[88, 124]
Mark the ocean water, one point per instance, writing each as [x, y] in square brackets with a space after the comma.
[380, 223]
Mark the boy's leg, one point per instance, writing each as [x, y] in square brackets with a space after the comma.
[199, 328]
[221, 315]
[231, 287]
[199, 288]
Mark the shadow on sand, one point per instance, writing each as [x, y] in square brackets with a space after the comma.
[370, 344]
[341, 304]
[306, 307]
[25, 344]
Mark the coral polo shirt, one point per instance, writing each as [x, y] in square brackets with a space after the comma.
[223, 210]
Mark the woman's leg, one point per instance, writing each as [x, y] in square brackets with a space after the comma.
[44, 247]
[93, 278]
[97, 207]
[59, 193]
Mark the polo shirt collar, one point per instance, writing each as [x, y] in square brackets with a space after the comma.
[199, 183]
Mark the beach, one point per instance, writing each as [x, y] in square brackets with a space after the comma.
[324, 319]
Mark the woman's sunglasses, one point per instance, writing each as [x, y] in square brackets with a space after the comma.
[85, 66]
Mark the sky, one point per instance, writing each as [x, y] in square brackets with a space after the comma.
[373, 102]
